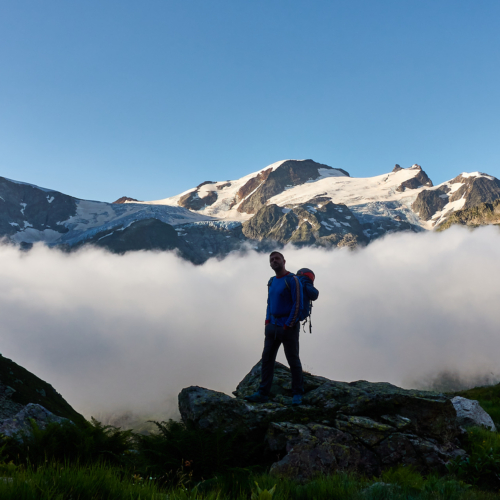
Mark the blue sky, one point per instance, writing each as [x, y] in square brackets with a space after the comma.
[147, 99]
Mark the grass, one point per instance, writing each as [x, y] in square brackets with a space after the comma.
[92, 461]
[56, 482]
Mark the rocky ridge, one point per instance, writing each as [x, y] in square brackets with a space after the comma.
[298, 202]
[483, 214]
[358, 426]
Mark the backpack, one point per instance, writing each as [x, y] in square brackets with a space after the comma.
[306, 309]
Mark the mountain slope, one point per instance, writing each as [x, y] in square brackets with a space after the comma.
[291, 201]
[30, 213]
[483, 214]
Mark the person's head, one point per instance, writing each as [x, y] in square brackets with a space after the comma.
[277, 262]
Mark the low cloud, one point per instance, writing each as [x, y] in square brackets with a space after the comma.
[114, 333]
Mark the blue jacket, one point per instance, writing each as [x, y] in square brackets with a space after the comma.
[284, 302]
[310, 293]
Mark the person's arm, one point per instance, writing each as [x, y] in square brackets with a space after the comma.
[296, 292]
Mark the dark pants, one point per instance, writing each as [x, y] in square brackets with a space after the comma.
[275, 336]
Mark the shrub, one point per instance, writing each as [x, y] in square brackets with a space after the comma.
[178, 454]
[66, 442]
[482, 465]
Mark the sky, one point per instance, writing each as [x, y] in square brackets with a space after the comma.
[147, 99]
[125, 333]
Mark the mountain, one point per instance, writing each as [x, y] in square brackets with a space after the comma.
[291, 201]
[483, 214]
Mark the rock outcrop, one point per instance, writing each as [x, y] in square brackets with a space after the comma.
[197, 199]
[429, 202]
[29, 208]
[20, 388]
[484, 214]
[290, 173]
[21, 422]
[476, 189]
[419, 180]
[358, 426]
[318, 222]
[124, 199]
[470, 413]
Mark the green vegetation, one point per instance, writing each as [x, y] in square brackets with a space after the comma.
[91, 461]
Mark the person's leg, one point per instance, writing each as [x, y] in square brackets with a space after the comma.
[291, 346]
[272, 343]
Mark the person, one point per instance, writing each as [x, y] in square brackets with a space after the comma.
[284, 302]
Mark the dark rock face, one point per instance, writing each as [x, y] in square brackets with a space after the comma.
[396, 168]
[419, 180]
[484, 214]
[196, 242]
[200, 241]
[290, 173]
[19, 388]
[251, 185]
[146, 234]
[21, 422]
[429, 202]
[476, 190]
[124, 199]
[27, 206]
[358, 426]
[192, 200]
[324, 224]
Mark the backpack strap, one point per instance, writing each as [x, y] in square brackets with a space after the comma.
[297, 298]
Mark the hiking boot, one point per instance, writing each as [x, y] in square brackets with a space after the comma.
[297, 400]
[257, 397]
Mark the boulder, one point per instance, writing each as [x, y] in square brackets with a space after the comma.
[21, 422]
[470, 413]
[358, 426]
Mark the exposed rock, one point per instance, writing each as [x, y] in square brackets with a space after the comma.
[396, 168]
[428, 202]
[201, 241]
[196, 242]
[288, 174]
[379, 218]
[322, 224]
[21, 421]
[485, 213]
[24, 206]
[476, 190]
[205, 183]
[124, 199]
[319, 449]
[8, 408]
[251, 185]
[470, 413]
[358, 426]
[417, 181]
[192, 200]
[146, 234]
[19, 388]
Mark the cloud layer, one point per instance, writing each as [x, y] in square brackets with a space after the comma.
[129, 332]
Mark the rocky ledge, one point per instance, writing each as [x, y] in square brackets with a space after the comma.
[358, 426]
